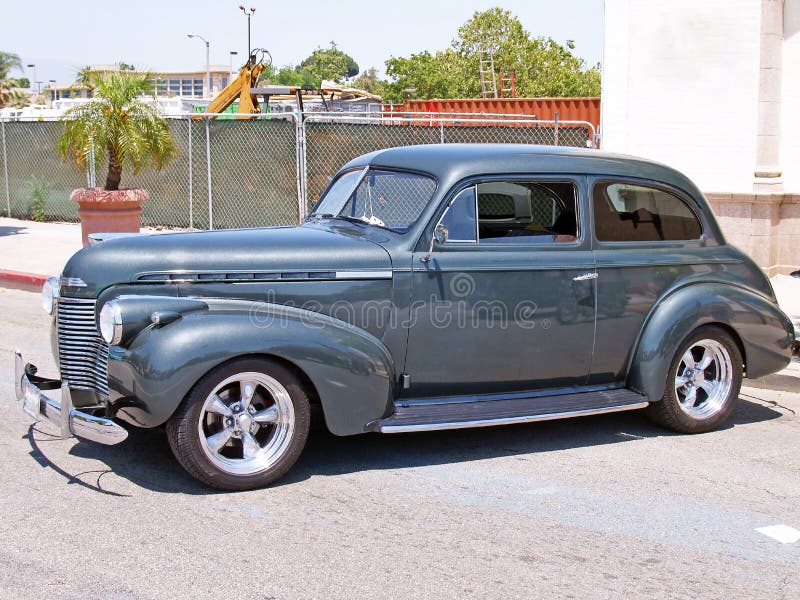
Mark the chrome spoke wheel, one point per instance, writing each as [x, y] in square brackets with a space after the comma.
[703, 379]
[246, 423]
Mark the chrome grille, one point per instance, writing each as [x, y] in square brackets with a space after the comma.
[82, 353]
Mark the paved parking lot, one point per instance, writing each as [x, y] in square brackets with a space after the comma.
[598, 507]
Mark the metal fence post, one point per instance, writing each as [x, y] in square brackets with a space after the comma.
[555, 130]
[91, 175]
[191, 181]
[441, 133]
[208, 169]
[302, 173]
[5, 167]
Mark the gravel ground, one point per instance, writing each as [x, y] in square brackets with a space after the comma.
[597, 507]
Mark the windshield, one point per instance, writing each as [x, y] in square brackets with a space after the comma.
[391, 199]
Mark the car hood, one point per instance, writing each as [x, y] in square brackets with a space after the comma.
[267, 250]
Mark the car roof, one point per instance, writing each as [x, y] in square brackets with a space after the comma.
[451, 162]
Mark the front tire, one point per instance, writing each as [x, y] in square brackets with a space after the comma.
[703, 383]
[242, 426]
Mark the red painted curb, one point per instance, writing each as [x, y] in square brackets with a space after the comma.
[21, 279]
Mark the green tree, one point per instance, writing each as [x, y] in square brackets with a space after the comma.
[8, 61]
[425, 75]
[118, 127]
[16, 98]
[289, 75]
[8, 95]
[370, 82]
[542, 67]
[329, 63]
[83, 77]
[324, 63]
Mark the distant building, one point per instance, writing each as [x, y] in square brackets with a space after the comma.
[169, 84]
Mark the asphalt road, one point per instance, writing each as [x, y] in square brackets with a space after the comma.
[597, 507]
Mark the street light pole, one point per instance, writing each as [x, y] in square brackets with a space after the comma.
[249, 14]
[231, 54]
[208, 67]
[33, 66]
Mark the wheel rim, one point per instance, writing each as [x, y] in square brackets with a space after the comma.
[703, 379]
[246, 423]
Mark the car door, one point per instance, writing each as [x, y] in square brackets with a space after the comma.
[647, 237]
[507, 302]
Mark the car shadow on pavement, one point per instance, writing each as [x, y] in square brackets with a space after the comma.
[145, 458]
[326, 454]
[4, 231]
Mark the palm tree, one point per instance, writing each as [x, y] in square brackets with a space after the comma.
[16, 99]
[8, 61]
[83, 77]
[117, 127]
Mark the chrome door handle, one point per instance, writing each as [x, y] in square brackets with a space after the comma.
[585, 277]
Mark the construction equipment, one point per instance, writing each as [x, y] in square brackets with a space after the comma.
[239, 88]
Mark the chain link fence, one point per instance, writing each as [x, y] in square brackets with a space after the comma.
[249, 173]
[332, 140]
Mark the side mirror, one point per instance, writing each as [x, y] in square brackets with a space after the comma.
[795, 273]
[439, 237]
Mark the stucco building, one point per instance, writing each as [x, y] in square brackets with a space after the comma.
[712, 87]
[169, 84]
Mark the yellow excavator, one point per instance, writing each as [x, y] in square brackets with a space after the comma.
[239, 88]
[243, 88]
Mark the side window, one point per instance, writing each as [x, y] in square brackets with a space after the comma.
[460, 217]
[625, 212]
[527, 212]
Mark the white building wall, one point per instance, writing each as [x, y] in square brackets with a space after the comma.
[790, 105]
[680, 85]
[712, 87]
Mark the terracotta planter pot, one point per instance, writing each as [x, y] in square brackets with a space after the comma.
[103, 211]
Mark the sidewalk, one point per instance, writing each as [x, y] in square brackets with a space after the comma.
[30, 252]
[37, 249]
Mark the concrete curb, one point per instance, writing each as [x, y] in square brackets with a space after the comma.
[21, 281]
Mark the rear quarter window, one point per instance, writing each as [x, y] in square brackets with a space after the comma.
[626, 212]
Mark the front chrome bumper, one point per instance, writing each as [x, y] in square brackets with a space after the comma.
[58, 409]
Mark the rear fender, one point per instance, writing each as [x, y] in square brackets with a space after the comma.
[763, 331]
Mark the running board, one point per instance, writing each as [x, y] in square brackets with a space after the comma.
[447, 414]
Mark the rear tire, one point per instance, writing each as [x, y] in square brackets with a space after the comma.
[703, 383]
[242, 426]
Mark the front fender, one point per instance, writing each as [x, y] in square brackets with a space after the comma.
[764, 331]
[352, 371]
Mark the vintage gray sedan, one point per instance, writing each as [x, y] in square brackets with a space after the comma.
[432, 287]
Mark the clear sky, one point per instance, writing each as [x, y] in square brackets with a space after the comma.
[61, 36]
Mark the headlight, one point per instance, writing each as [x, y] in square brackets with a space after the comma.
[111, 322]
[50, 295]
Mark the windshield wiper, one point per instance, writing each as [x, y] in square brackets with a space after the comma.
[342, 217]
[350, 219]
